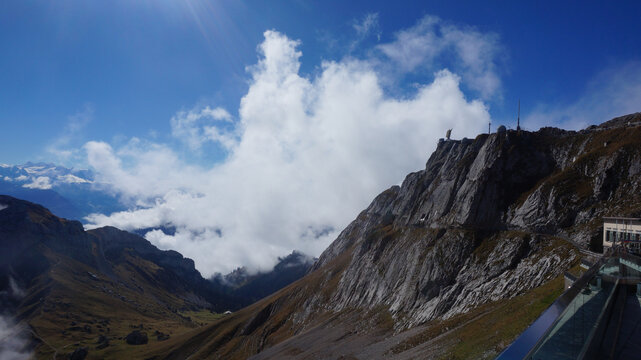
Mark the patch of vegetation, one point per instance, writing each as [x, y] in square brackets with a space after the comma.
[488, 329]
[230, 338]
[202, 316]
[381, 318]
[84, 308]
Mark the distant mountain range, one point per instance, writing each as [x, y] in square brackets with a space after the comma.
[251, 287]
[69, 193]
[70, 286]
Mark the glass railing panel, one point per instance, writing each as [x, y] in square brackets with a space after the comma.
[592, 343]
[612, 267]
[532, 337]
[632, 266]
[574, 326]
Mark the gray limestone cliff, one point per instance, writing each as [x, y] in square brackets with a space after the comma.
[487, 219]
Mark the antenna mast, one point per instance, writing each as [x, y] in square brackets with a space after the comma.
[518, 118]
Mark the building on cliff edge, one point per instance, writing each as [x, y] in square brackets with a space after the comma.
[622, 231]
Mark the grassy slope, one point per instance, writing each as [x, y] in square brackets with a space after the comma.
[488, 329]
[243, 334]
[485, 330]
[75, 309]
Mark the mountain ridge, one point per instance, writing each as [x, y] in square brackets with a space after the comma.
[488, 227]
[75, 286]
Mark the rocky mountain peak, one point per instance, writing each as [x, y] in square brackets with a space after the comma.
[487, 220]
[518, 190]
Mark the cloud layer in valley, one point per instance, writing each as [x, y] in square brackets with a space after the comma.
[14, 338]
[305, 154]
[14, 342]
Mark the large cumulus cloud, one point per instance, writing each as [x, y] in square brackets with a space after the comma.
[304, 155]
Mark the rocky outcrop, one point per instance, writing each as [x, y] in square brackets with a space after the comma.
[136, 337]
[103, 342]
[79, 354]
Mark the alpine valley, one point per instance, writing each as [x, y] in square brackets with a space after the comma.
[71, 290]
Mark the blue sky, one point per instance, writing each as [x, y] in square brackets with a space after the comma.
[135, 63]
[259, 127]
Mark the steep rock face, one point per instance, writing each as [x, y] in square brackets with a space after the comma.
[597, 174]
[478, 224]
[443, 242]
[471, 183]
[486, 220]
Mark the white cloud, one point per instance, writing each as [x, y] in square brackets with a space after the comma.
[309, 154]
[65, 147]
[141, 170]
[365, 27]
[3, 206]
[22, 178]
[14, 339]
[40, 182]
[16, 290]
[613, 92]
[433, 43]
[418, 45]
[195, 127]
[368, 24]
[13, 344]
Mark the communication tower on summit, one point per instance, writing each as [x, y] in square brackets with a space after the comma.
[518, 119]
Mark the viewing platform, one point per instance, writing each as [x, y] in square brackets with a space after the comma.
[597, 317]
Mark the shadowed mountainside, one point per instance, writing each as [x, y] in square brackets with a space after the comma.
[91, 289]
[252, 287]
